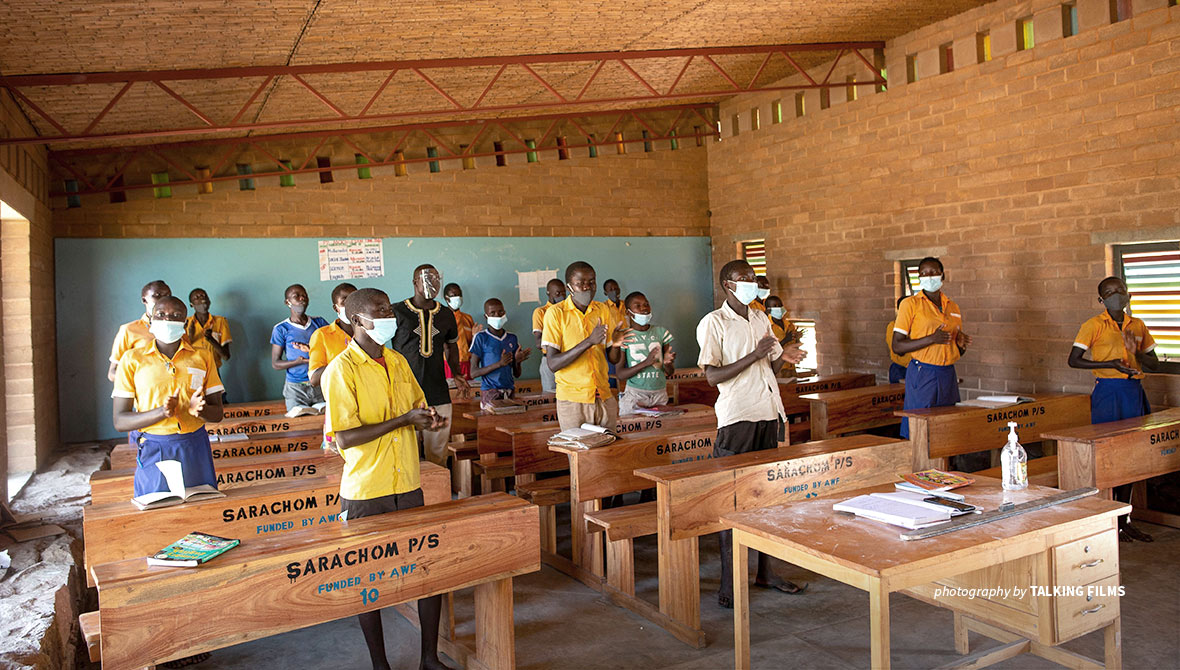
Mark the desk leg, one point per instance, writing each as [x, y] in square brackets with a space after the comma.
[741, 604]
[879, 625]
[1113, 637]
[962, 644]
[587, 546]
[495, 645]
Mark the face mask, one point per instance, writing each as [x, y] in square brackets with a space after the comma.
[613, 295]
[298, 308]
[497, 322]
[1116, 302]
[382, 330]
[149, 308]
[455, 302]
[763, 293]
[343, 316]
[931, 284]
[583, 298]
[166, 331]
[745, 291]
[777, 312]
[641, 319]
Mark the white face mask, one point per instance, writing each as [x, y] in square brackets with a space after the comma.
[931, 284]
[777, 312]
[497, 322]
[341, 313]
[641, 319]
[763, 293]
[382, 330]
[455, 302]
[166, 331]
[745, 291]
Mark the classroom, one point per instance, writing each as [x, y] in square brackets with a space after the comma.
[352, 334]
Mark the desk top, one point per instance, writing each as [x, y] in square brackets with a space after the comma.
[860, 391]
[963, 411]
[876, 550]
[1103, 431]
[690, 411]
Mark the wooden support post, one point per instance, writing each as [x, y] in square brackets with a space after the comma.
[495, 642]
[741, 604]
[620, 565]
[879, 625]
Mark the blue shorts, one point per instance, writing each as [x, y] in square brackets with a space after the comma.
[928, 386]
[1114, 399]
[896, 373]
[191, 449]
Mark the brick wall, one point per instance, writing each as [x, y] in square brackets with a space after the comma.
[1018, 172]
[26, 285]
[658, 193]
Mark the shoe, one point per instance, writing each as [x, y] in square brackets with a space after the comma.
[1134, 533]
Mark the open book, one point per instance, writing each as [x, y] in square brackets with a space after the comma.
[192, 550]
[504, 406]
[585, 437]
[994, 401]
[176, 493]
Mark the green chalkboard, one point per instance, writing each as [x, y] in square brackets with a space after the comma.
[98, 284]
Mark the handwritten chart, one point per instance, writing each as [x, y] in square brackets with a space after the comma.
[351, 259]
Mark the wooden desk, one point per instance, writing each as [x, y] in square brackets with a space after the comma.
[940, 432]
[1074, 544]
[691, 498]
[697, 389]
[262, 588]
[258, 425]
[238, 410]
[123, 456]
[1105, 455]
[838, 412]
[118, 531]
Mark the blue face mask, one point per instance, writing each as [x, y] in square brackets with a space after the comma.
[497, 322]
[778, 312]
[931, 284]
[166, 331]
[641, 319]
[382, 330]
[745, 291]
[763, 293]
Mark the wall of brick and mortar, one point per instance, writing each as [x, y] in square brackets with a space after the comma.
[1018, 173]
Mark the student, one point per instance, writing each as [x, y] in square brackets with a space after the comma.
[763, 293]
[292, 337]
[165, 392]
[426, 336]
[782, 328]
[374, 407]
[136, 333]
[741, 357]
[619, 313]
[497, 356]
[897, 365]
[207, 331]
[1120, 348]
[326, 343]
[579, 335]
[466, 324]
[648, 361]
[555, 292]
[929, 327]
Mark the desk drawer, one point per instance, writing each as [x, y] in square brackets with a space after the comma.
[1096, 606]
[1087, 560]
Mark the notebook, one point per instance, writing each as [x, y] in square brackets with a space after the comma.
[584, 437]
[192, 550]
[994, 401]
[898, 512]
[177, 493]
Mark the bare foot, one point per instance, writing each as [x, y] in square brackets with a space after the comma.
[779, 584]
[433, 663]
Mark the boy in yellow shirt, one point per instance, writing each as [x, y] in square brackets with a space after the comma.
[136, 333]
[374, 407]
[555, 292]
[327, 342]
[207, 331]
[164, 393]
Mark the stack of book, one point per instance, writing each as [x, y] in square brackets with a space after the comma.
[504, 406]
[902, 508]
[587, 436]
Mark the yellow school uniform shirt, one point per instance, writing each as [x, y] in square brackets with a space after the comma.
[564, 327]
[360, 391]
[326, 343]
[903, 361]
[148, 377]
[618, 312]
[217, 327]
[758, 305]
[539, 320]
[1103, 338]
[918, 317]
[130, 336]
[466, 326]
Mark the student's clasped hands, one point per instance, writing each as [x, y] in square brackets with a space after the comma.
[196, 404]
[426, 418]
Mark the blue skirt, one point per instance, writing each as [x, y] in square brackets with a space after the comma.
[928, 386]
[191, 449]
[896, 373]
[1114, 399]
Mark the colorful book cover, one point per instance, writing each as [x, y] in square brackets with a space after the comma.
[192, 550]
[937, 480]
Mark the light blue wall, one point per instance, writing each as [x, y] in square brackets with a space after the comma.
[98, 284]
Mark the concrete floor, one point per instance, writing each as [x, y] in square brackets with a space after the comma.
[562, 624]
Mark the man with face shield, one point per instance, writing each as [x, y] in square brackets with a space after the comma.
[135, 333]
[427, 334]
[1121, 348]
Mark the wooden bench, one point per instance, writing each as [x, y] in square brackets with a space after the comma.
[238, 410]
[123, 456]
[692, 497]
[1106, 455]
[493, 468]
[266, 425]
[117, 531]
[117, 485]
[941, 432]
[1041, 471]
[835, 413]
[150, 615]
[610, 470]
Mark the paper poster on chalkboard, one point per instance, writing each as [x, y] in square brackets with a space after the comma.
[351, 259]
[532, 285]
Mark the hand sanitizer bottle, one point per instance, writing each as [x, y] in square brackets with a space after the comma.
[1014, 462]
